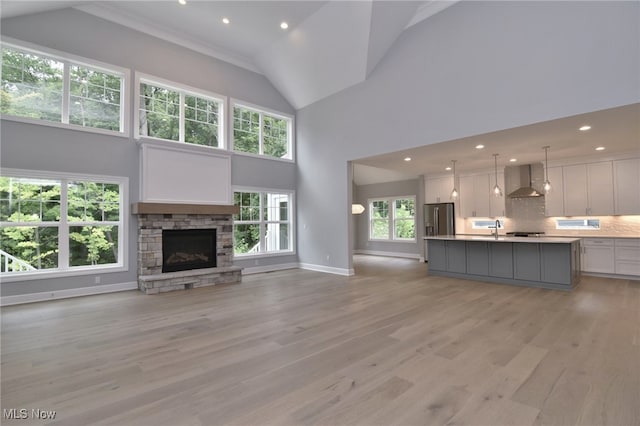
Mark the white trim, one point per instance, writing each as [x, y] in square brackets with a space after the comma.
[65, 294]
[327, 269]
[616, 276]
[182, 90]
[388, 254]
[269, 268]
[107, 12]
[69, 59]
[122, 264]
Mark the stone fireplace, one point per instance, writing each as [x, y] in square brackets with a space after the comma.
[183, 246]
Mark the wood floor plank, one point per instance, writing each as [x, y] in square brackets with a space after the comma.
[390, 345]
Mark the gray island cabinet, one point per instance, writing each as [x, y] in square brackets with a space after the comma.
[552, 263]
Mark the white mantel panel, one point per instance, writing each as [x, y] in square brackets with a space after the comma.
[185, 175]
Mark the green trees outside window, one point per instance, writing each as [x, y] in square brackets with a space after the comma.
[257, 132]
[392, 219]
[160, 116]
[33, 224]
[263, 224]
[33, 87]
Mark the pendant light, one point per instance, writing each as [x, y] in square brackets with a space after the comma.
[496, 189]
[547, 184]
[454, 193]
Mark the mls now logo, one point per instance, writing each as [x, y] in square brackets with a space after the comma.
[23, 413]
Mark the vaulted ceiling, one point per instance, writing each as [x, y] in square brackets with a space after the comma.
[327, 47]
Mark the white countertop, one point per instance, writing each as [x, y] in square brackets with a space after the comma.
[503, 239]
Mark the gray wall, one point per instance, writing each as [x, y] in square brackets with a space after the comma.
[37, 147]
[476, 67]
[363, 193]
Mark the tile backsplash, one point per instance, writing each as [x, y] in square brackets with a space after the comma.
[527, 214]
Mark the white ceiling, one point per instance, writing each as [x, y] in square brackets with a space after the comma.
[329, 45]
[616, 129]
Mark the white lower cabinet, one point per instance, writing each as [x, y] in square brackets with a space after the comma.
[598, 255]
[627, 256]
[619, 256]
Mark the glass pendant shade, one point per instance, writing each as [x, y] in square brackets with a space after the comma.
[547, 184]
[454, 192]
[496, 189]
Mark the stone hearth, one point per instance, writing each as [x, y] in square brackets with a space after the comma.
[153, 218]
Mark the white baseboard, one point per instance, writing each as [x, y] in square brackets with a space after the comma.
[64, 294]
[389, 254]
[327, 269]
[269, 268]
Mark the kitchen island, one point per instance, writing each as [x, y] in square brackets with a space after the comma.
[545, 262]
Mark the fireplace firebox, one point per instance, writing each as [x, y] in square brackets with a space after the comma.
[186, 249]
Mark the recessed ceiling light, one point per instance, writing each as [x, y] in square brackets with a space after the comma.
[584, 128]
[284, 25]
[447, 168]
[600, 148]
[407, 158]
[182, 2]
[513, 160]
[225, 20]
[479, 146]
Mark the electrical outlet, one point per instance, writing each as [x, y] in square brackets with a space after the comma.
[97, 279]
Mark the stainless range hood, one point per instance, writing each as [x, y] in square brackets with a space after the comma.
[523, 178]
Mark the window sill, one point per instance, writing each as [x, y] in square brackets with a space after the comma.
[263, 157]
[65, 126]
[48, 274]
[247, 256]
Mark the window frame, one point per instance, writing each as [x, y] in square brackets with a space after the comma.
[64, 225]
[263, 223]
[262, 111]
[68, 60]
[392, 219]
[183, 91]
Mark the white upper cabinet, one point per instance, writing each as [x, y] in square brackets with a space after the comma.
[496, 204]
[626, 179]
[588, 189]
[554, 199]
[438, 189]
[474, 196]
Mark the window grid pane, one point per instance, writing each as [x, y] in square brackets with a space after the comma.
[246, 130]
[201, 121]
[276, 133]
[31, 86]
[95, 99]
[159, 112]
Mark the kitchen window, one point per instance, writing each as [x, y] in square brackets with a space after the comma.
[264, 224]
[172, 112]
[54, 224]
[260, 132]
[584, 224]
[392, 219]
[54, 89]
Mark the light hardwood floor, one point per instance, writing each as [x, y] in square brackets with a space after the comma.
[387, 346]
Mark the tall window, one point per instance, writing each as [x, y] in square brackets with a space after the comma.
[175, 114]
[392, 219]
[264, 224]
[59, 224]
[49, 88]
[261, 133]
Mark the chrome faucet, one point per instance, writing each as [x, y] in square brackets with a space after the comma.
[496, 226]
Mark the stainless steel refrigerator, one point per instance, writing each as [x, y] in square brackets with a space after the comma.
[439, 219]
